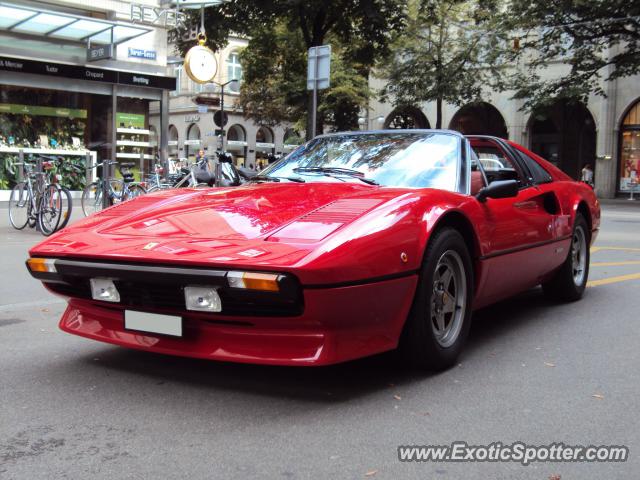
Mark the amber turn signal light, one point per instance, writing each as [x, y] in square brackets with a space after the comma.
[254, 281]
[43, 265]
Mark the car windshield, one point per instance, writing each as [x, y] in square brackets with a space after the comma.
[402, 159]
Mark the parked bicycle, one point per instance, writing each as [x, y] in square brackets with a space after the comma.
[119, 189]
[36, 201]
[198, 175]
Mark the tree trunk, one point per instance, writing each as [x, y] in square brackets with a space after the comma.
[439, 112]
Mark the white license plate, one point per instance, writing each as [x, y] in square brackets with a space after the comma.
[153, 323]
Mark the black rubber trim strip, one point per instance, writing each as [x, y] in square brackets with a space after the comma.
[526, 247]
[355, 283]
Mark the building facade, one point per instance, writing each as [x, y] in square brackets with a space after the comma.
[191, 121]
[78, 80]
[604, 132]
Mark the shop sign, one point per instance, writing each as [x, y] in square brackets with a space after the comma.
[135, 120]
[191, 118]
[192, 142]
[265, 145]
[86, 73]
[42, 111]
[166, 17]
[99, 52]
[140, 53]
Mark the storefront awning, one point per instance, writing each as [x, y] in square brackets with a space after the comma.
[50, 24]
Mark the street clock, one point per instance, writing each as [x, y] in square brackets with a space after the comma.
[200, 62]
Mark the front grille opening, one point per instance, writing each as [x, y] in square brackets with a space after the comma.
[170, 297]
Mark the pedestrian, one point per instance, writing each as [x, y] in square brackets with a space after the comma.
[251, 166]
[587, 175]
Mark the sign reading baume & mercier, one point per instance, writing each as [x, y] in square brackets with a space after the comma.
[86, 73]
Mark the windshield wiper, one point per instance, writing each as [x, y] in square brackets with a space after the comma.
[337, 171]
[269, 178]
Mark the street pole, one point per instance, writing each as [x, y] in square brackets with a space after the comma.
[315, 96]
[222, 116]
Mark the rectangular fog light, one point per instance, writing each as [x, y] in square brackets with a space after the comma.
[104, 289]
[202, 299]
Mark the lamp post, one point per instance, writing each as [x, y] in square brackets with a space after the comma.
[222, 122]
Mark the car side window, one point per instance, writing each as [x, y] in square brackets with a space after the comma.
[478, 179]
[497, 165]
[538, 173]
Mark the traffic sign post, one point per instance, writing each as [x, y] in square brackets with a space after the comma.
[318, 73]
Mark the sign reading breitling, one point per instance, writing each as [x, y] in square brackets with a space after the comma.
[165, 17]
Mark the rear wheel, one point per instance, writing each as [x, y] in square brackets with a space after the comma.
[50, 210]
[569, 282]
[440, 317]
[19, 206]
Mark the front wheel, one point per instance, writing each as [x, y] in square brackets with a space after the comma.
[440, 317]
[67, 207]
[91, 200]
[19, 206]
[569, 282]
[133, 191]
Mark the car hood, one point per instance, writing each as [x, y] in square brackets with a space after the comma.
[243, 213]
[325, 232]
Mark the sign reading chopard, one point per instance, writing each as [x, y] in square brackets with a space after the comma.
[86, 73]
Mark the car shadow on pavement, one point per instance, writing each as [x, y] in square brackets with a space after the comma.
[337, 383]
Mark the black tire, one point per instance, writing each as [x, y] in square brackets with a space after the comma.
[420, 344]
[19, 206]
[135, 190]
[570, 281]
[50, 210]
[67, 207]
[91, 200]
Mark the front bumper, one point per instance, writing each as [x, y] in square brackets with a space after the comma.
[337, 324]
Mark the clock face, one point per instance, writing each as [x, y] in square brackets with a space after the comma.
[201, 64]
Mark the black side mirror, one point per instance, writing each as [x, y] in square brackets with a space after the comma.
[498, 189]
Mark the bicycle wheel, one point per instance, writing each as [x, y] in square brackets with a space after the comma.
[67, 207]
[50, 210]
[133, 191]
[19, 203]
[91, 200]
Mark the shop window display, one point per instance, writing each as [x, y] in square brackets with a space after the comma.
[42, 122]
[630, 150]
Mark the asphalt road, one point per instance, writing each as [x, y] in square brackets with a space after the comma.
[532, 371]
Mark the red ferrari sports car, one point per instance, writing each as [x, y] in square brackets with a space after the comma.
[355, 243]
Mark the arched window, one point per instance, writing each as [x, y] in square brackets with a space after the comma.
[192, 143]
[479, 118]
[264, 135]
[629, 166]
[173, 141]
[237, 143]
[406, 117]
[565, 134]
[234, 71]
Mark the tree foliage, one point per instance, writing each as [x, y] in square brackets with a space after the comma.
[274, 88]
[448, 53]
[596, 39]
[281, 31]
